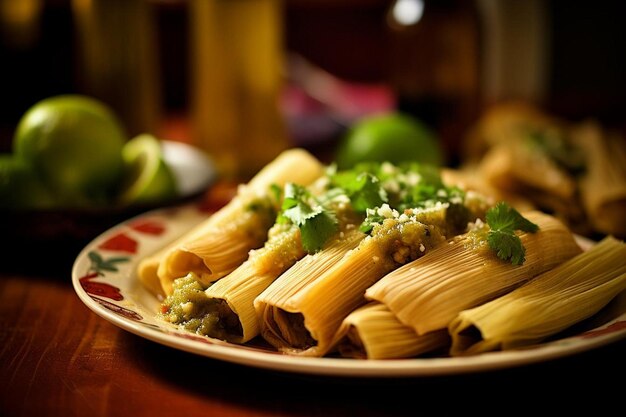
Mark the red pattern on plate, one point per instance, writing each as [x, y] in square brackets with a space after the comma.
[100, 288]
[130, 314]
[120, 242]
[149, 226]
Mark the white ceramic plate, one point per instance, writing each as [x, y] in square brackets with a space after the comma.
[104, 278]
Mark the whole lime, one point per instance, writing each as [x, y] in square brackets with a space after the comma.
[20, 187]
[393, 137]
[74, 143]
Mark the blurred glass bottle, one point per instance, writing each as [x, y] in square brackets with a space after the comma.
[118, 59]
[236, 79]
[434, 64]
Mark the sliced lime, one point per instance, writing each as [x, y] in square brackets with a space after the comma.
[147, 177]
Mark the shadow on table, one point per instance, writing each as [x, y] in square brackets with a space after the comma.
[563, 383]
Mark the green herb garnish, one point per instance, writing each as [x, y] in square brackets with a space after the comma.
[503, 221]
[316, 223]
[559, 150]
[362, 188]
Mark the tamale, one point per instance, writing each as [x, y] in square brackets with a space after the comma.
[373, 332]
[222, 242]
[464, 272]
[553, 301]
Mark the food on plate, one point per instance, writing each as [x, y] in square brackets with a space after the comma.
[374, 332]
[574, 171]
[286, 245]
[222, 242]
[325, 210]
[304, 319]
[428, 293]
[567, 294]
[603, 185]
[374, 261]
[508, 120]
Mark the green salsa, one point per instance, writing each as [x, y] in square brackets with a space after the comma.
[189, 307]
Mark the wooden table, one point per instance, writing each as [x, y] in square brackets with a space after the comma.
[57, 358]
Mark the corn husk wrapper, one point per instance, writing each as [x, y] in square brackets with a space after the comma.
[221, 243]
[302, 318]
[546, 305]
[503, 122]
[373, 332]
[147, 269]
[264, 265]
[603, 185]
[277, 304]
[516, 168]
[429, 292]
[239, 288]
[469, 179]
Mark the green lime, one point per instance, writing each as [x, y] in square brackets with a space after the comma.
[392, 137]
[147, 178]
[74, 143]
[20, 188]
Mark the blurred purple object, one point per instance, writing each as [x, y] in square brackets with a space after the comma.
[319, 106]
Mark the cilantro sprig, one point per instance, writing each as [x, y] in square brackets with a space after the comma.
[367, 187]
[403, 187]
[503, 221]
[316, 223]
[363, 189]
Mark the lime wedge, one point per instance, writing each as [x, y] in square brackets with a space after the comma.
[147, 177]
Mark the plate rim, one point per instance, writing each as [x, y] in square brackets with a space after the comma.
[172, 337]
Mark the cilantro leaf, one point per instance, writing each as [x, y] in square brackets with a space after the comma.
[295, 206]
[503, 221]
[362, 188]
[316, 223]
[507, 246]
[316, 230]
[504, 217]
[371, 219]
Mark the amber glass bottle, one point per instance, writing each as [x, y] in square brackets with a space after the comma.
[236, 78]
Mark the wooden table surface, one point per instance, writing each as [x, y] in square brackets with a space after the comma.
[58, 358]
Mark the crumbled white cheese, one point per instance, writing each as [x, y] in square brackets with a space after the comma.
[412, 178]
[386, 211]
[187, 307]
[477, 225]
[387, 168]
[392, 186]
[457, 199]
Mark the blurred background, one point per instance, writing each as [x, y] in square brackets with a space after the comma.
[325, 62]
